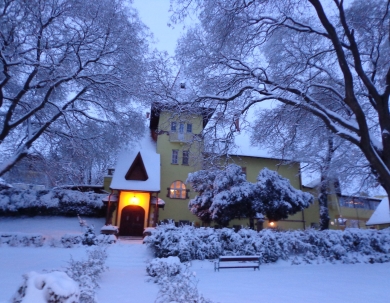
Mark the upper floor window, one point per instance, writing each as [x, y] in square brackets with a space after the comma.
[175, 154]
[189, 128]
[185, 157]
[173, 126]
[181, 128]
[177, 190]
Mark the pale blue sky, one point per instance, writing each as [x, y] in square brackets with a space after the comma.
[155, 15]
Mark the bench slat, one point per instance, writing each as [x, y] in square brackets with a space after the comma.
[233, 258]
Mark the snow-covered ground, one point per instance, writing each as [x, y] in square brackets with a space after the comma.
[126, 279]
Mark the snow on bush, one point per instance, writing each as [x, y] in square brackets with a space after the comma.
[226, 194]
[177, 284]
[16, 239]
[164, 267]
[349, 246]
[57, 202]
[69, 240]
[180, 288]
[87, 273]
[21, 239]
[53, 287]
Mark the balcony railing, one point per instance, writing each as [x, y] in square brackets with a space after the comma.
[180, 137]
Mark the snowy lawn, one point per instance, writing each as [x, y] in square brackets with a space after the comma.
[126, 279]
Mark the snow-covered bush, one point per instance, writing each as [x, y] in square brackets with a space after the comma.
[53, 287]
[181, 288]
[22, 239]
[17, 239]
[177, 283]
[87, 272]
[226, 194]
[278, 197]
[69, 240]
[89, 237]
[164, 267]
[59, 202]
[349, 246]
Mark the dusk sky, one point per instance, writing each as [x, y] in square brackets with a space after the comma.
[155, 14]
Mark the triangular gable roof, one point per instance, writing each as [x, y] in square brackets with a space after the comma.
[137, 170]
[381, 215]
[128, 166]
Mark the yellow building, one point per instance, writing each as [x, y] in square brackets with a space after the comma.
[148, 184]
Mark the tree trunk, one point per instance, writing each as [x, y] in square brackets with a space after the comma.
[323, 202]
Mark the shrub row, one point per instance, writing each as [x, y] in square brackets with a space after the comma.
[60, 202]
[349, 246]
[67, 240]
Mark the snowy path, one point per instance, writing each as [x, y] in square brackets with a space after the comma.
[125, 281]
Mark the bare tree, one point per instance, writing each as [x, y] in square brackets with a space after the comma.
[308, 54]
[65, 63]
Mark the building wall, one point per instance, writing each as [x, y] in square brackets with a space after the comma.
[177, 209]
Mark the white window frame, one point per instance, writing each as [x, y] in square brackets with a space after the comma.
[175, 156]
[178, 190]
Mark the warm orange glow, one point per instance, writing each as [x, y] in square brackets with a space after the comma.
[141, 199]
[134, 200]
[272, 224]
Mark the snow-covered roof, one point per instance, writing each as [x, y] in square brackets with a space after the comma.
[151, 161]
[381, 215]
[245, 148]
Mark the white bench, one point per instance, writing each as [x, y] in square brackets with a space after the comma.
[237, 262]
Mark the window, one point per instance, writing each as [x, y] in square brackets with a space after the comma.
[173, 126]
[177, 191]
[175, 153]
[181, 128]
[189, 128]
[185, 157]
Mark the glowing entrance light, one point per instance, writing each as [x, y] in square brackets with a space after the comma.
[272, 224]
[134, 200]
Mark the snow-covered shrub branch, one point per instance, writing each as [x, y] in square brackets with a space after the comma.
[17, 239]
[87, 273]
[349, 246]
[59, 202]
[22, 239]
[177, 283]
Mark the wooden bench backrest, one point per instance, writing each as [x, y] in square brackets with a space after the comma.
[238, 258]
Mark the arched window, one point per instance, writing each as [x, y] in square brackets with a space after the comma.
[178, 191]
